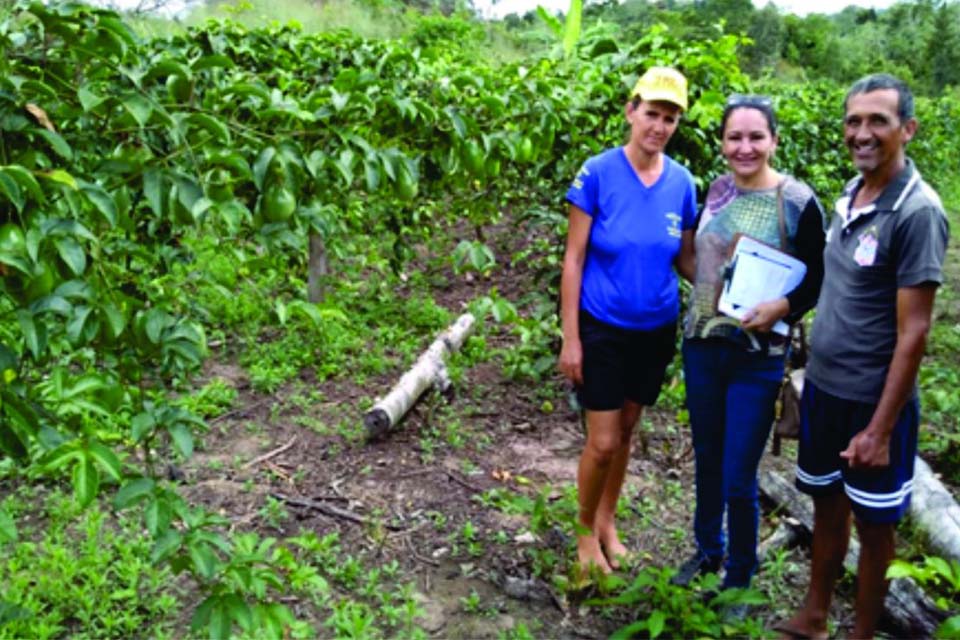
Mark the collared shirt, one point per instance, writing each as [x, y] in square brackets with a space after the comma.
[898, 241]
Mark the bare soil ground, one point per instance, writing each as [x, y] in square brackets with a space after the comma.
[417, 488]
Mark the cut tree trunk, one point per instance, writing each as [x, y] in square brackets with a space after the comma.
[316, 268]
[936, 512]
[907, 607]
[428, 370]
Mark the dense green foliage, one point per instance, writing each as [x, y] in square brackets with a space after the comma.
[153, 193]
[918, 40]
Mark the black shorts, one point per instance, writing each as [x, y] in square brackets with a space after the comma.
[623, 364]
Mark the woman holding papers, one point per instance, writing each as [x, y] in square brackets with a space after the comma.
[632, 211]
[733, 366]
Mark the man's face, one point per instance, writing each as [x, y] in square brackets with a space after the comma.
[874, 132]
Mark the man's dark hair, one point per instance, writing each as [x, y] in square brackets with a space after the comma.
[878, 81]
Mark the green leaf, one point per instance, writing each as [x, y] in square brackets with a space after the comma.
[571, 31]
[138, 107]
[371, 170]
[309, 310]
[11, 190]
[458, 124]
[260, 166]
[656, 623]
[76, 326]
[182, 439]
[8, 528]
[153, 189]
[900, 569]
[86, 481]
[56, 142]
[211, 61]
[167, 544]
[247, 89]
[629, 631]
[106, 458]
[280, 308]
[102, 201]
[551, 20]
[37, 89]
[72, 255]
[238, 610]
[201, 617]
[88, 99]
[142, 425]
[114, 319]
[949, 629]
[220, 624]
[211, 125]
[59, 176]
[344, 164]
[133, 491]
[157, 516]
[167, 67]
[156, 322]
[203, 559]
[52, 303]
[10, 441]
[339, 100]
[26, 181]
[34, 335]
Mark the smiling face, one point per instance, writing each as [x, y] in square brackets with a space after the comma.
[748, 144]
[652, 124]
[875, 134]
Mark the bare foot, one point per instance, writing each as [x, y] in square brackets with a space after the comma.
[802, 626]
[614, 550]
[591, 557]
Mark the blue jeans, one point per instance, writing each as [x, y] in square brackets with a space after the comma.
[731, 395]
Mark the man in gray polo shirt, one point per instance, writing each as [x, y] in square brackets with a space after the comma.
[860, 414]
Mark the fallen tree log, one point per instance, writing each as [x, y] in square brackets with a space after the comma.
[907, 607]
[428, 369]
[935, 511]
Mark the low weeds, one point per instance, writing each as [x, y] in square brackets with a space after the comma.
[83, 572]
[701, 610]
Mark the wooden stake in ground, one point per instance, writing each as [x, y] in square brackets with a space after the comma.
[428, 369]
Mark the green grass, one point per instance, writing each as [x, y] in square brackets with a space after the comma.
[82, 572]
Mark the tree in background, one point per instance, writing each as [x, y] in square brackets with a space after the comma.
[768, 34]
[943, 49]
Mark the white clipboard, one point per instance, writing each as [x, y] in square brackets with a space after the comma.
[758, 273]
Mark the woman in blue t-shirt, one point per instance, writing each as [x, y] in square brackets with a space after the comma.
[632, 211]
[733, 368]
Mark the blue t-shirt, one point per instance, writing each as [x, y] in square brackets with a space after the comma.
[628, 276]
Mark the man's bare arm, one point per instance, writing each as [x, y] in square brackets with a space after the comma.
[871, 447]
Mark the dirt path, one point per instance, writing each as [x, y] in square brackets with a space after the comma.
[471, 497]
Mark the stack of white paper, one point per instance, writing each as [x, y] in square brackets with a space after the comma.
[758, 273]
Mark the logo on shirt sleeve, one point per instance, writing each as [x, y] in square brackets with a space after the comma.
[866, 252]
[577, 182]
[673, 224]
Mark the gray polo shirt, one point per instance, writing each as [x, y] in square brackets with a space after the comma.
[898, 241]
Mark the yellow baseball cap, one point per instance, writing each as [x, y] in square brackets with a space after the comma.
[662, 83]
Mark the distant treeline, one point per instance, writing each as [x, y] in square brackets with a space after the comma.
[919, 40]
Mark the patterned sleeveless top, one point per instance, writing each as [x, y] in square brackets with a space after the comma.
[730, 210]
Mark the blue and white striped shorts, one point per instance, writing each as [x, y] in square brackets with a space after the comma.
[827, 423]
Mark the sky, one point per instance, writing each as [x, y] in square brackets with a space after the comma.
[800, 7]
